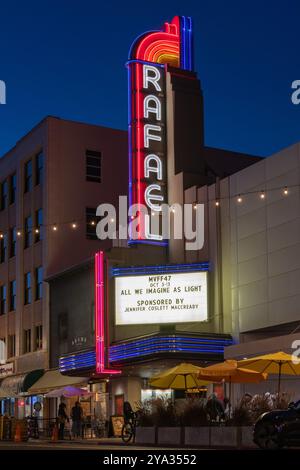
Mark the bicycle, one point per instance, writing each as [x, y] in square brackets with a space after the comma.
[129, 428]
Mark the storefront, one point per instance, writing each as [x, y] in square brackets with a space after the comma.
[17, 400]
[129, 362]
[53, 380]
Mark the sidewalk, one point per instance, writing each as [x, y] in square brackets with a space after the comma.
[95, 441]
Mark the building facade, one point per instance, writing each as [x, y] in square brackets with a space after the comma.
[131, 340]
[51, 183]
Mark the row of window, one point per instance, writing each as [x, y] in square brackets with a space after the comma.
[93, 166]
[8, 188]
[8, 191]
[33, 233]
[27, 343]
[8, 300]
[30, 235]
[39, 170]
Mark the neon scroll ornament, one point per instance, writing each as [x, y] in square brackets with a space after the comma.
[100, 317]
[150, 56]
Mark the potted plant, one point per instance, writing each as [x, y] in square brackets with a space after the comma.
[242, 421]
[166, 419]
[145, 431]
[194, 420]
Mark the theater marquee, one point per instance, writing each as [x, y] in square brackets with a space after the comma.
[164, 298]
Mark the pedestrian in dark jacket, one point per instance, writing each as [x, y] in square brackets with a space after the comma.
[214, 408]
[62, 419]
[77, 416]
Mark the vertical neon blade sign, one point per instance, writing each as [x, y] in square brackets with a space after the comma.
[149, 56]
[100, 316]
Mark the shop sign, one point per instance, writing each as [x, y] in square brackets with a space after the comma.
[6, 369]
[79, 341]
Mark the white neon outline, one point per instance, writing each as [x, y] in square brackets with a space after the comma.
[150, 109]
[151, 169]
[154, 197]
[148, 79]
[147, 136]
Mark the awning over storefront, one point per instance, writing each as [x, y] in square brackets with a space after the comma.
[17, 384]
[4, 395]
[53, 379]
[259, 347]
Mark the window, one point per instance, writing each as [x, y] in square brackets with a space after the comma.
[38, 225]
[27, 288]
[91, 222]
[27, 341]
[3, 248]
[3, 355]
[11, 350]
[93, 166]
[38, 283]
[13, 188]
[28, 176]
[4, 192]
[39, 167]
[28, 232]
[39, 337]
[2, 300]
[12, 295]
[13, 241]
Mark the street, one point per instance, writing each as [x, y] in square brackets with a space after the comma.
[90, 444]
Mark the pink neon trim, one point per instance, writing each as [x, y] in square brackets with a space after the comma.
[100, 316]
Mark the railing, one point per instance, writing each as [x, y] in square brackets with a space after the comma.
[39, 428]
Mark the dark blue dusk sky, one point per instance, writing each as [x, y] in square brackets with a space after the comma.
[66, 58]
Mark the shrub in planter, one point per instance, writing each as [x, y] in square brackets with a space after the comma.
[282, 401]
[164, 413]
[260, 404]
[241, 416]
[145, 413]
[193, 414]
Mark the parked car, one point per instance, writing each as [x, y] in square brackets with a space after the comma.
[278, 428]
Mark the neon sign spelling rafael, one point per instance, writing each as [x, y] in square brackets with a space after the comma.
[149, 57]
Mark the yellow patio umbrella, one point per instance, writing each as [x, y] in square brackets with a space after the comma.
[279, 363]
[181, 377]
[229, 371]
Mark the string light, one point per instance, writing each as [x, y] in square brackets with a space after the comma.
[285, 191]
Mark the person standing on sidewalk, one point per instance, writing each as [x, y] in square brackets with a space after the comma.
[77, 416]
[62, 419]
